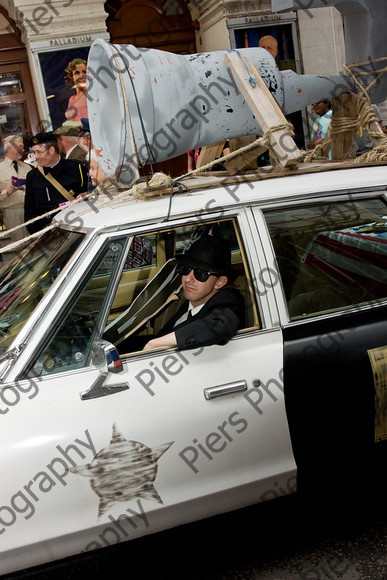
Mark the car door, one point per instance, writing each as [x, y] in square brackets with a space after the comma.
[170, 437]
[332, 261]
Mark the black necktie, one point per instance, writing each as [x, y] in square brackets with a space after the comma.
[15, 166]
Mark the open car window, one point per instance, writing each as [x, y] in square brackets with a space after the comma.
[129, 293]
[331, 256]
[149, 295]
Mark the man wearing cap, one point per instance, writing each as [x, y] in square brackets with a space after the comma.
[54, 181]
[213, 312]
[13, 173]
[67, 138]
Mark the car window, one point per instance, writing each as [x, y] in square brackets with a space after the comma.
[26, 279]
[149, 295]
[69, 344]
[146, 294]
[331, 256]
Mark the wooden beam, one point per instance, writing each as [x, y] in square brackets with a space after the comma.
[246, 159]
[265, 109]
[209, 153]
[343, 141]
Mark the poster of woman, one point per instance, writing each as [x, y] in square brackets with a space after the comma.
[64, 77]
[76, 78]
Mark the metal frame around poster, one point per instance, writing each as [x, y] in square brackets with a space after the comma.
[52, 65]
[284, 28]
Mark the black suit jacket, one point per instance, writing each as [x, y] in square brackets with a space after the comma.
[42, 197]
[215, 323]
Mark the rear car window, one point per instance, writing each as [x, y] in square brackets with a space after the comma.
[331, 256]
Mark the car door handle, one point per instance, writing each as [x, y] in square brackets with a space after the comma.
[223, 390]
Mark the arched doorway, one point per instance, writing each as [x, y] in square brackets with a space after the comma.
[18, 110]
[159, 24]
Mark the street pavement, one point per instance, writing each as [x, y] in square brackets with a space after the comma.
[284, 539]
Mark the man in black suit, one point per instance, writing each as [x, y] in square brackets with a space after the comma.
[213, 312]
[54, 181]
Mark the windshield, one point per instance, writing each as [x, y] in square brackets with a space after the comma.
[25, 280]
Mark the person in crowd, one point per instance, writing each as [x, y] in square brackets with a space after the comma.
[323, 110]
[76, 78]
[192, 157]
[96, 173]
[84, 136]
[213, 312]
[67, 139]
[269, 43]
[54, 181]
[101, 181]
[13, 173]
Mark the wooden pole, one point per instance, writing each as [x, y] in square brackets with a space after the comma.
[343, 141]
[265, 109]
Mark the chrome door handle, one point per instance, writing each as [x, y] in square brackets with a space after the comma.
[227, 389]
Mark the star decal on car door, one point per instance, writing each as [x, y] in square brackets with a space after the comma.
[123, 471]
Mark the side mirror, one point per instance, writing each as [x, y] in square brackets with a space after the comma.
[105, 357]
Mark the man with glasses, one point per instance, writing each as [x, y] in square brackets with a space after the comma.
[53, 182]
[213, 311]
[13, 173]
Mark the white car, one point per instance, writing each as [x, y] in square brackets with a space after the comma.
[103, 442]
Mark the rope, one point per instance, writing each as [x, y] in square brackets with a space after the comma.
[365, 118]
[263, 141]
[160, 181]
[141, 190]
[252, 80]
[377, 72]
[10, 247]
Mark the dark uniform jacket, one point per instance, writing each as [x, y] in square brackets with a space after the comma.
[215, 323]
[42, 197]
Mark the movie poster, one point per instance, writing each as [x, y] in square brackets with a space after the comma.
[276, 39]
[64, 77]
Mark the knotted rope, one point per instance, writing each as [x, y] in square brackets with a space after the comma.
[364, 118]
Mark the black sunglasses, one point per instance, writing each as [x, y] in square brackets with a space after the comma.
[200, 274]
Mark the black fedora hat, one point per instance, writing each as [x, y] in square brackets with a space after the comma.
[209, 253]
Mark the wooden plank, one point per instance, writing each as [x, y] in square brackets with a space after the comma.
[344, 106]
[247, 159]
[265, 109]
[209, 153]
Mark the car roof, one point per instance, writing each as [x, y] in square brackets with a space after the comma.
[205, 193]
